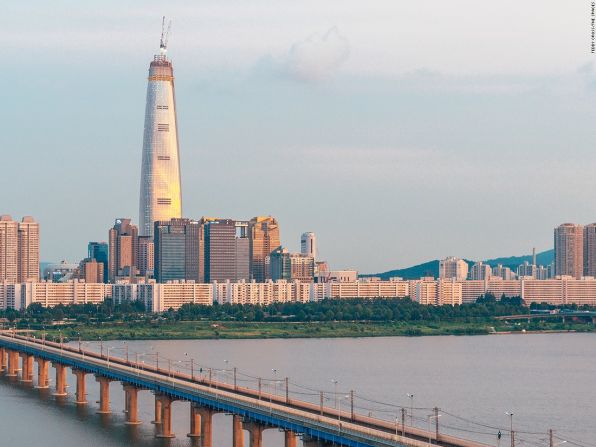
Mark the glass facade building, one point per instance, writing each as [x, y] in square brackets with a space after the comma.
[160, 194]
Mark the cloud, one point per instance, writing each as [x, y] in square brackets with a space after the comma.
[318, 57]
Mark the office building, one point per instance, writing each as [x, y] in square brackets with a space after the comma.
[160, 194]
[100, 251]
[176, 250]
[569, 247]
[146, 256]
[263, 235]
[123, 237]
[226, 250]
[452, 267]
[308, 245]
[91, 271]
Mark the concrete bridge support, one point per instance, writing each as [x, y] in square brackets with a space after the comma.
[206, 415]
[255, 434]
[166, 418]
[195, 422]
[157, 419]
[237, 432]
[13, 363]
[42, 373]
[131, 404]
[104, 394]
[291, 439]
[2, 359]
[26, 368]
[81, 386]
[60, 379]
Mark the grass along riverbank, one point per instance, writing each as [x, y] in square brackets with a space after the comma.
[166, 330]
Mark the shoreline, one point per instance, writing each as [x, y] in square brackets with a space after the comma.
[202, 330]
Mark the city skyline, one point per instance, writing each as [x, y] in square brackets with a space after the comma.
[307, 73]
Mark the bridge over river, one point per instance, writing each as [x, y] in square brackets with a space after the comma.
[252, 409]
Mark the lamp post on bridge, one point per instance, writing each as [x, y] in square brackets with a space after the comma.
[511, 433]
[411, 396]
[335, 382]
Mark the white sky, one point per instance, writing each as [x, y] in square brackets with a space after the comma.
[398, 131]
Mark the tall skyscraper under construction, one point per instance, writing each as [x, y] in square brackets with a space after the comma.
[160, 196]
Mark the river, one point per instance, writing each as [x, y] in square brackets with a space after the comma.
[545, 380]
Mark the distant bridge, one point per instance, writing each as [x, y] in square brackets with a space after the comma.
[252, 410]
[576, 316]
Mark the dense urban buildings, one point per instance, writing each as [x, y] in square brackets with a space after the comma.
[123, 237]
[160, 195]
[452, 267]
[290, 266]
[91, 271]
[569, 246]
[263, 233]
[176, 248]
[480, 271]
[146, 256]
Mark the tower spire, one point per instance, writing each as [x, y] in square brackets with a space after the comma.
[165, 34]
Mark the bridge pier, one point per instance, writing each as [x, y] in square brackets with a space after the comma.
[195, 422]
[131, 404]
[255, 434]
[157, 419]
[104, 394]
[42, 373]
[60, 379]
[2, 359]
[166, 418]
[237, 432]
[13, 363]
[27, 368]
[206, 415]
[81, 386]
[291, 439]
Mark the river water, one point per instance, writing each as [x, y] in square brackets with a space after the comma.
[546, 381]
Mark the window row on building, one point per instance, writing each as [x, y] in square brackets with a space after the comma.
[159, 297]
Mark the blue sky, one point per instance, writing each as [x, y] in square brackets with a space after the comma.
[397, 131]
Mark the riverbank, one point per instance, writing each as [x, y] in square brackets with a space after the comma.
[184, 330]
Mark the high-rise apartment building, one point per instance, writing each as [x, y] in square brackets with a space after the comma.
[308, 244]
[176, 247]
[590, 250]
[146, 256]
[263, 235]
[160, 195]
[28, 252]
[452, 267]
[527, 270]
[226, 250]
[100, 251]
[569, 247]
[9, 230]
[480, 271]
[503, 272]
[123, 237]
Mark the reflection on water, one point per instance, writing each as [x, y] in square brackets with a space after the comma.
[547, 381]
